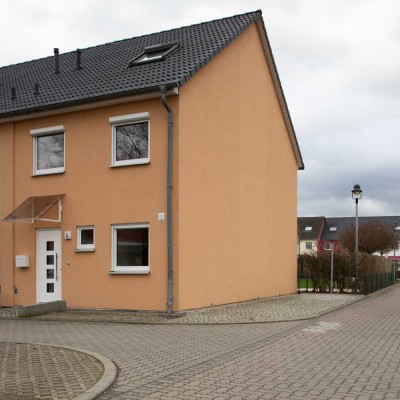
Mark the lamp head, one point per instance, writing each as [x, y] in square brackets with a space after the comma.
[356, 193]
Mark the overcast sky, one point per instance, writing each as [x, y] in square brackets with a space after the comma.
[338, 60]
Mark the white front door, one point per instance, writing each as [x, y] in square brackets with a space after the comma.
[48, 265]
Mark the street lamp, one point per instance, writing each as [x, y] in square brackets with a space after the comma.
[394, 252]
[332, 246]
[356, 194]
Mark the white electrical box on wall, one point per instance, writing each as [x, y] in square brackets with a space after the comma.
[21, 261]
[161, 216]
[68, 235]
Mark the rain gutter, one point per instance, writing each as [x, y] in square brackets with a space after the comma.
[163, 90]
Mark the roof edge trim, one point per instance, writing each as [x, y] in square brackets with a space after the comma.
[279, 90]
[257, 15]
[86, 104]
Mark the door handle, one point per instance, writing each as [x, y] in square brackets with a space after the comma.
[56, 267]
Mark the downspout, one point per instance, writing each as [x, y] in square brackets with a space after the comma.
[163, 91]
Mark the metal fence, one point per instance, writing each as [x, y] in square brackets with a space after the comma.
[304, 283]
[377, 281]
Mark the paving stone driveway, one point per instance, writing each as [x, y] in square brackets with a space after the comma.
[351, 353]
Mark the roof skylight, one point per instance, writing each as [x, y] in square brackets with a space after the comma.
[333, 228]
[308, 228]
[157, 52]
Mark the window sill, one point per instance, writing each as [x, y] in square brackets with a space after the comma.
[129, 164]
[131, 272]
[84, 250]
[48, 172]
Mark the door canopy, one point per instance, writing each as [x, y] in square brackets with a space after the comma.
[35, 208]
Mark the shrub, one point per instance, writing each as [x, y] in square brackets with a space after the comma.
[318, 266]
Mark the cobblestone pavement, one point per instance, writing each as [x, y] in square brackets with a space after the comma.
[280, 308]
[31, 371]
[350, 353]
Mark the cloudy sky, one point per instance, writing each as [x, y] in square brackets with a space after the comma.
[339, 62]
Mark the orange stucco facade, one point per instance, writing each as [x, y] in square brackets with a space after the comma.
[234, 194]
[95, 194]
[237, 182]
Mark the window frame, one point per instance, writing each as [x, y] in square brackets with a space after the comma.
[36, 133]
[123, 120]
[132, 269]
[85, 247]
[310, 244]
[327, 245]
[166, 49]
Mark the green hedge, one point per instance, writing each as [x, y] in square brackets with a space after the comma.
[318, 267]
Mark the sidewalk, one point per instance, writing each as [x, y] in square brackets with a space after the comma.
[282, 308]
[56, 371]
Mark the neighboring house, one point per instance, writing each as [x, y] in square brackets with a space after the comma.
[334, 228]
[122, 216]
[309, 230]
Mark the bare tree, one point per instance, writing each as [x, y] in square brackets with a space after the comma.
[373, 237]
[132, 141]
[50, 151]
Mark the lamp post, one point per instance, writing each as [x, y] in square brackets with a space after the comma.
[394, 252]
[356, 194]
[332, 245]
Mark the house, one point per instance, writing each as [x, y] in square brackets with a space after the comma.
[153, 173]
[309, 231]
[321, 233]
[334, 228]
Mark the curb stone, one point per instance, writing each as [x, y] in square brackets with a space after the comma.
[106, 380]
[378, 292]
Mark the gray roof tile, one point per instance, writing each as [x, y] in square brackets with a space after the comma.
[105, 72]
[316, 223]
[342, 223]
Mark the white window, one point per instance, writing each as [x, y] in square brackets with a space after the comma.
[130, 139]
[333, 229]
[48, 150]
[86, 238]
[130, 248]
[308, 228]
